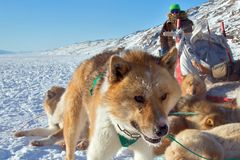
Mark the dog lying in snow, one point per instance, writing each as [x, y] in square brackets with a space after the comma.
[192, 85]
[54, 133]
[218, 143]
[54, 110]
[208, 115]
[124, 95]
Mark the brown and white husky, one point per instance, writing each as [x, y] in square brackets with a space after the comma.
[124, 95]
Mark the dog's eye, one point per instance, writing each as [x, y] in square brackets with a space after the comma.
[210, 122]
[139, 99]
[164, 97]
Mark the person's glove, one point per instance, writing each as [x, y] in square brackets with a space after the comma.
[202, 69]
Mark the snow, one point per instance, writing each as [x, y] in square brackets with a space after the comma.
[25, 79]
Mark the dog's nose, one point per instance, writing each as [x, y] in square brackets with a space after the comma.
[161, 130]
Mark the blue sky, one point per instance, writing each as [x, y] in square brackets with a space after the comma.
[30, 25]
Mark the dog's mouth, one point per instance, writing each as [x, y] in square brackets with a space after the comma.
[152, 140]
[148, 139]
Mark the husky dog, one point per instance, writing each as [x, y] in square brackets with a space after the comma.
[54, 110]
[206, 116]
[124, 95]
[218, 143]
[193, 85]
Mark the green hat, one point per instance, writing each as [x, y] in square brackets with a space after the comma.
[174, 6]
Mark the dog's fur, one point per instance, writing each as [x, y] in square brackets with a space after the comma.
[135, 94]
[218, 143]
[193, 85]
[54, 110]
[209, 115]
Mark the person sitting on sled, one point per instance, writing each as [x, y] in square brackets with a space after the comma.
[206, 54]
[167, 42]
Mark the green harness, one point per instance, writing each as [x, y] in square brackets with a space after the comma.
[125, 142]
[95, 82]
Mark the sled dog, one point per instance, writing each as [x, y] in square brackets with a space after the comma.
[219, 143]
[192, 85]
[124, 94]
[207, 116]
[54, 110]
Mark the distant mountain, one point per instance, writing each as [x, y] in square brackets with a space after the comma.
[214, 11]
[6, 52]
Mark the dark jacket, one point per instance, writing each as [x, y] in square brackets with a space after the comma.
[170, 25]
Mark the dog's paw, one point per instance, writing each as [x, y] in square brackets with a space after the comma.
[19, 134]
[36, 143]
[82, 144]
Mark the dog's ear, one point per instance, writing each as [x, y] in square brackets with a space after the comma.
[184, 104]
[50, 94]
[210, 122]
[118, 68]
[169, 60]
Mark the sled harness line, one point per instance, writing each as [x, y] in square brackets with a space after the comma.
[171, 137]
[26, 122]
[101, 75]
[125, 142]
[183, 114]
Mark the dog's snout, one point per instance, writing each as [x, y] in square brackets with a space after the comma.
[161, 130]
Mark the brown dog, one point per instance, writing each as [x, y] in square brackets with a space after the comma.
[193, 85]
[125, 94]
[218, 143]
[54, 133]
[53, 109]
[208, 115]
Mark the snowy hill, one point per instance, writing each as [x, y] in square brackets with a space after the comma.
[216, 11]
[5, 52]
[146, 40]
[213, 11]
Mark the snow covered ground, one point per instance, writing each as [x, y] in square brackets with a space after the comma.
[23, 82]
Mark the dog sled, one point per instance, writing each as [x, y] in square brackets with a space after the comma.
[206, 54]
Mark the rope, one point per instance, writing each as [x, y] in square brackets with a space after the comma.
[21, 127]
[171, 137]
[26, 122]
[220, 99]
[183, 114]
